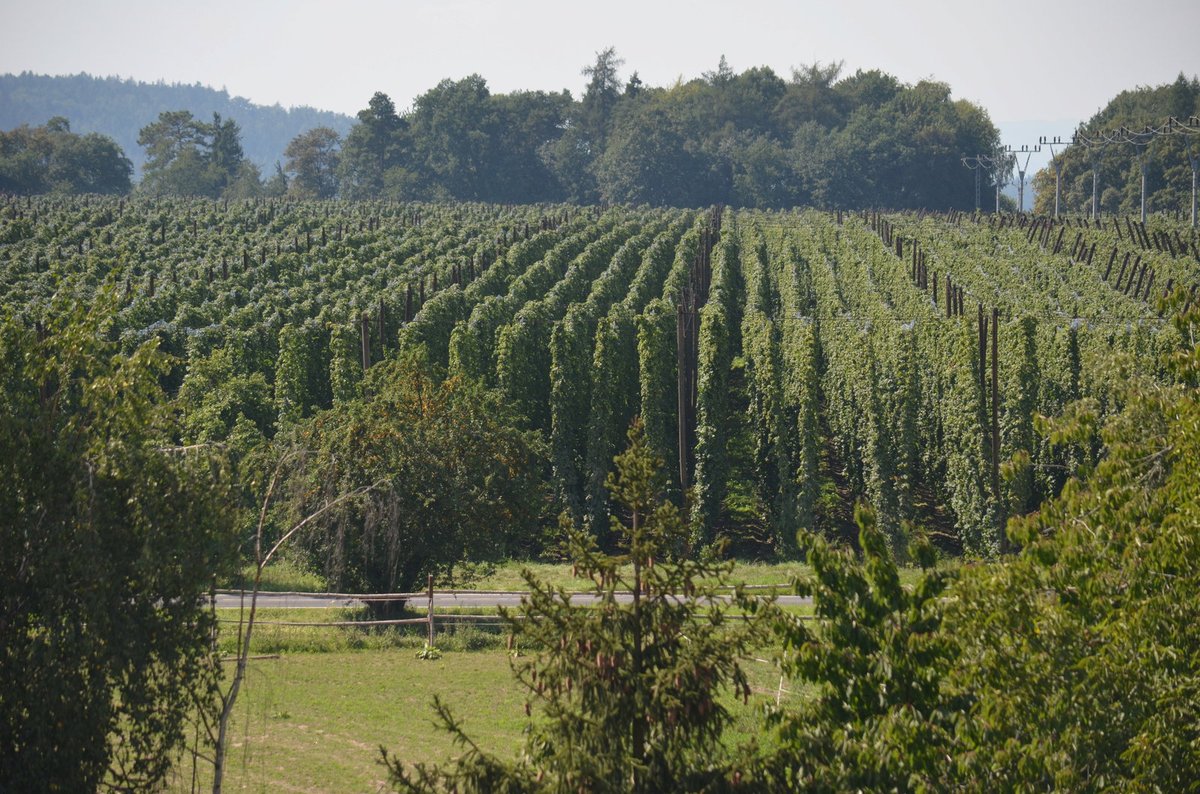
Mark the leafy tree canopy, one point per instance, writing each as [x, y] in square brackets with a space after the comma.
[1117, 165]
[186, 157]
[451, 480]
[52, 159]
[111, 540]
[748, 138]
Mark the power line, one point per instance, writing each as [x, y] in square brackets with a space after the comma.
[1141, 139]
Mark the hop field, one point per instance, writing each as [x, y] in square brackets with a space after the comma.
[785, 364]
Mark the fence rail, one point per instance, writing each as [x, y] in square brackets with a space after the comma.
[431, 619]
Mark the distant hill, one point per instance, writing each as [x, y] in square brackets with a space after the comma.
[119, 108]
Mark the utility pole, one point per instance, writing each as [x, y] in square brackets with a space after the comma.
[1095, 147]
[974, 164]
[1193, 159]
[1025, 150]
[1044, 141]
[1142, 140]
[1000, 163]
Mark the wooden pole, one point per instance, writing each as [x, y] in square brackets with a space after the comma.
[996, 428]
[429, 592]
[982, 356]
[382, 327]
[681, 392]
[364, 329]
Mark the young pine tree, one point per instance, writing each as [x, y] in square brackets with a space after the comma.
[629, 683]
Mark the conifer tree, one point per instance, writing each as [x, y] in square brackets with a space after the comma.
[629, 685]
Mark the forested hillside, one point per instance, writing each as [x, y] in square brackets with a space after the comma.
[120, 108]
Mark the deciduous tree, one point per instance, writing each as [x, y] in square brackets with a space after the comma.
[312, 163]
[112, 538]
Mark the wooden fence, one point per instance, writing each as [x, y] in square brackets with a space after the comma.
[430, 619]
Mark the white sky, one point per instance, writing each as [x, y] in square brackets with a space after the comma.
[1055, 61]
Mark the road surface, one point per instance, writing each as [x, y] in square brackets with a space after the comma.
[227, 600]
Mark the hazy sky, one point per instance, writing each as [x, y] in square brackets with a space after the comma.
[1023, 61]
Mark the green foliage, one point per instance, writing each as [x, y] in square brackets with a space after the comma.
[112, 539]
[186, 157]
[657, 367]
[647, 161]
[450, 480]
[629, 688]
[614, 402]
[372, 149]
[1095, 621]
[434, 324]
[1071, 666]
[719, 338]
[312, 163]
[345, 364]
[52, 159]
[852, 383]
[223, 387]
[770, 416]
[301, 380]
[523, 355]
[878, 719]
[615, 371]
[429, 653]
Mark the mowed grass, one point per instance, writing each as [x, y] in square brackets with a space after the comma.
[314, 722]
[508, 575]
[313, 719]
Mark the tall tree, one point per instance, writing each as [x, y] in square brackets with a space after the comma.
[223, 150]
[454, 134]
[811, 97]
[630, 688]
[52, 159]
[601, 96]
[451, 477]
[187, 157]
[312, 163]
[527, 122]
[377, 144]
[111, 541]
[573, 155]
[647, 160]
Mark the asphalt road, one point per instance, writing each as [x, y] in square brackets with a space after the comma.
[440, 600]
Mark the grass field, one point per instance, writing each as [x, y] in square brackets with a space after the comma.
[286, 576]
[313, 719]
[314, 722]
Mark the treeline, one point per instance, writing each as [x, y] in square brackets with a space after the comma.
[748, 139]
[1118, 170]
[52, 159]
[119, 108]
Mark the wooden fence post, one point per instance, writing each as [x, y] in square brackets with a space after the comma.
[430, 613]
